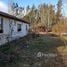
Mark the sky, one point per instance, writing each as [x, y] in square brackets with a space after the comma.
[24, 3]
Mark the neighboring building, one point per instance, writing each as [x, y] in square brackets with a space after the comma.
[12, 27]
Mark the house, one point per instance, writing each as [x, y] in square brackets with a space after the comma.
[12, 27]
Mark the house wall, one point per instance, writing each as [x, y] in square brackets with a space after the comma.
[10, 30]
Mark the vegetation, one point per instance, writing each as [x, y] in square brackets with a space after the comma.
[23, 52]
[60, 28]
[45, 15]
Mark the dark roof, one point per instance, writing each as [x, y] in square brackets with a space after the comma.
[12, 17]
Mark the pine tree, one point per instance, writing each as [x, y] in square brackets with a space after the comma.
[59, 9]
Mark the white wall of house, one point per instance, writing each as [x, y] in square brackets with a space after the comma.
[10, 27]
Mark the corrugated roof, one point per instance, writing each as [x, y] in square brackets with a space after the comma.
[12, 17]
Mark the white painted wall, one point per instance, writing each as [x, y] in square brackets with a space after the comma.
[15, 33]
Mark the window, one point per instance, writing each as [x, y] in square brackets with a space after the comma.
[19, 27]
[26, 27]
[1, 25]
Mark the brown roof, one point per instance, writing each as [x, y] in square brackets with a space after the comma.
[12, 17]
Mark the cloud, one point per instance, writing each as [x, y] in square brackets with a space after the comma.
[3, 7]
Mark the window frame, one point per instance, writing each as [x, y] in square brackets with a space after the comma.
[19, 27]
[1, 24]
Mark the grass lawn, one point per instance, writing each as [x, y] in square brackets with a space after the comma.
[23, 52]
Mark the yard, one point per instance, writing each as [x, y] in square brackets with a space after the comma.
[39, 51]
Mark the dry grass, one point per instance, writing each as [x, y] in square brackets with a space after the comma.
[23, 52]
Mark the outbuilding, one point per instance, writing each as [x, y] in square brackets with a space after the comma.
[12, 27]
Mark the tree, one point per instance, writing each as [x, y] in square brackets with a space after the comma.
[59, 8]
[28, 8]
[52, 15]
[44, 15]
[47, 14]
[16, 10]
[33, 7]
